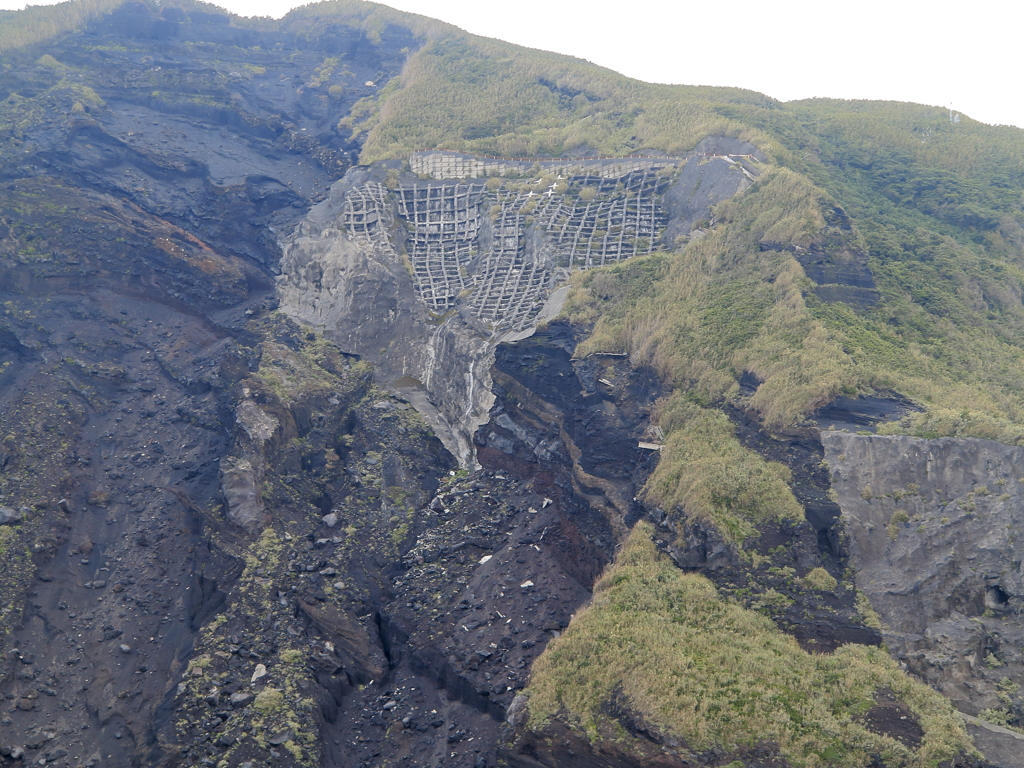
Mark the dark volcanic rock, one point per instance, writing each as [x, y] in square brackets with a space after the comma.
[932, 528]
[137, 210]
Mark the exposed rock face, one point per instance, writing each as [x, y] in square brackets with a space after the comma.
[723, 168]
[416, 640]
[426, 278]
[934, 531]
[354, 285]
[240, 481]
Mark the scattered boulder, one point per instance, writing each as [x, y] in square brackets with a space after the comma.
[240, 481]
[9, 516]
[281, 737]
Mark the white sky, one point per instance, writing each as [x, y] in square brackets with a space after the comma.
[943, 53]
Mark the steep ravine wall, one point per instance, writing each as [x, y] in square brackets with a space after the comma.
[935, 534]
[358, 291]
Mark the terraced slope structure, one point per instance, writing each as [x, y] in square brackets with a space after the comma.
[424, 276]
[630, 425]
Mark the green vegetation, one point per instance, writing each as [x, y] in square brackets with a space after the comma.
[664, 646]
[723, 305]
[475, 94]
[268, 700]
[937, 206]
[819, 578]
[37, 23]
[996, 716]
[705, 471]
[867, 613]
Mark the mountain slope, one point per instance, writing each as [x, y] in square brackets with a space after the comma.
[320, 427]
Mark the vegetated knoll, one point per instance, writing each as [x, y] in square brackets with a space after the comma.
[659, 657]
[499, 99]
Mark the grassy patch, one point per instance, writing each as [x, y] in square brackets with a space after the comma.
[713, 674]
[34, 24]
[732, 301]
[819, 578]
[706, 472]
[268, 700]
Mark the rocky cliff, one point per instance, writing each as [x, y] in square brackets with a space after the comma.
[933, 525]
[425, 277]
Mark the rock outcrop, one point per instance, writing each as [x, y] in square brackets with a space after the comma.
[933, 528]
[426, 277]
